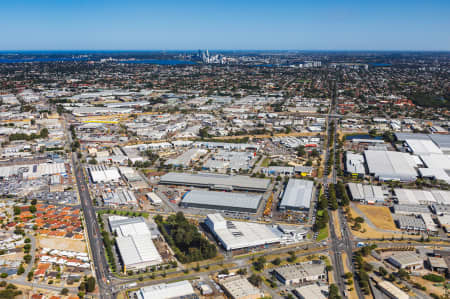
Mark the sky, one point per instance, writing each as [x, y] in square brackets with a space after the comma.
[227, 24]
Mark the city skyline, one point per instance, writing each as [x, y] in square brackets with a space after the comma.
[288, 25]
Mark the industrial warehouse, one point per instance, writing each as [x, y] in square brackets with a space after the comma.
[216, 181]
[297, 195]
[391, 166]
[226, 201]
[134, 243]
[241, 236]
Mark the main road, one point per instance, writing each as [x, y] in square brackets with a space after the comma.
[95, 240]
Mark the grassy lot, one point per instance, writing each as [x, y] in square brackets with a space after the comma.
[370, 233]
[265, 162]
[380, 216]
[323, 234]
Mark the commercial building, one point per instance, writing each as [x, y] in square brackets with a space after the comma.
[422, 146]
[180, 289]
[236, 235]
[297, 195]
[391, 166]
[312, 291]
[238, 287]
[300, 273]
[354, 165]
[224, 201]
[391, 290]
[216, 181]
[410, 223]
[369, 194]
[410, 209]
[227, 160]
[154, 198]
[186, 158]
[119, 197]
[103, 174]
[134, 243]
[406, 260]
[424, 197]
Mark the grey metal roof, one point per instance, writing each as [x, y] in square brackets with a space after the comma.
[223, 199]
[410, 222]
[298, 194]
[211, 180]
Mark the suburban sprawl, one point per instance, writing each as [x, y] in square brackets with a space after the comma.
[236, 174]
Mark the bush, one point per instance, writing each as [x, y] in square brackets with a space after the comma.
[434, 278]
[4, 275]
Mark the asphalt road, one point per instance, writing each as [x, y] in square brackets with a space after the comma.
[92, 228]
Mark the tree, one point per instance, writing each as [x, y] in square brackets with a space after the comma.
[65, 291]
[242, 271]
[90, 284]
[260, 263]
[30, 276]
[382, 271]
[333, 292]
[17, 210]
[27, 258]
[276, 261]
[255, 280]
[21, 270]
[301, 151]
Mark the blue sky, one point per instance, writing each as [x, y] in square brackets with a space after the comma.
[227, 24]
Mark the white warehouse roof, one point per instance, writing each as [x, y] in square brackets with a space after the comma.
[236, 234]
[389, 165]
[297, 195]
[422, 146]
[166, 290]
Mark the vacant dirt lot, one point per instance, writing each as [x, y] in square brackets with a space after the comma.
[62, 244]
[380, 216]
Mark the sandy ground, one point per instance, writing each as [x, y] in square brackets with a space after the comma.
[380, 216]
[61, 244]
[337, 225]
[369, 233]
[429, 285]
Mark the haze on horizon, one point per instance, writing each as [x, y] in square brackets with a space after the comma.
[258, 25]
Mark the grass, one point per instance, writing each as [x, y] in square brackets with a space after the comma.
[323, 234]
[265, 162]
[380, 216]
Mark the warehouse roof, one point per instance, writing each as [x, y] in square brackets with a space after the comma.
[137, 249]
[216, 180]
[239, 287]
[366, 192]
[410, 209]
[298, 194]
[389, 165]
[301, 271]
[436, 161]
[236, 234]
[354, 163]
[312, 291]
[392, 290]
[422, 146]
[101, 173]
[410, 222]
[406, 258]
[413, 196]
[222, 199]
[166, 290]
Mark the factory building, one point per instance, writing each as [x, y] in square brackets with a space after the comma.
[103, 174]
[216, 181]
[301, 273]
[134, 243]
[186, 158]
[406, 260]
[391, 166]
[368, 194]
[236, 235]
[238, 287]
[180, 289]
[297, 195]
[354, 165]
[315, 291]
[223, 201]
